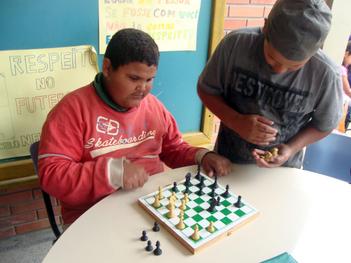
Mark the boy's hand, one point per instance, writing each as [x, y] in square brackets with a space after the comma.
[134, 175]
[213, 163]
[256, 129]
[284, 153]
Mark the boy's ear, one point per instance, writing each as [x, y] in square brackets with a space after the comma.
[106, 67]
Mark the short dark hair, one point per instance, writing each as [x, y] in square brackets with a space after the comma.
[132, 45]
[348, 47]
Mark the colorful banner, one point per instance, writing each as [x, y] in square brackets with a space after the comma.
[172, 23]
[31, 83]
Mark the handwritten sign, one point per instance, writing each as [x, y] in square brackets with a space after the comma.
[171, 23]
[31, 83]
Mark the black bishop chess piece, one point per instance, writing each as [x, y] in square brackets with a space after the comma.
[157, 251]
[212, 207]
[187, 179]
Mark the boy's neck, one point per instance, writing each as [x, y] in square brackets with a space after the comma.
[100, 89]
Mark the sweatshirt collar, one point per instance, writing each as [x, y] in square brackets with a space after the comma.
[102, 93]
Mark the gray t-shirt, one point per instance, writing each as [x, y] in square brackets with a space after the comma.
[238, 72]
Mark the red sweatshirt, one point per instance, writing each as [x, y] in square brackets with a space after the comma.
[83, 140]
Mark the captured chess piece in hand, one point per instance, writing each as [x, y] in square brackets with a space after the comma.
[268, 155]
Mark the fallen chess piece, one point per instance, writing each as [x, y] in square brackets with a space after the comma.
[268, 155]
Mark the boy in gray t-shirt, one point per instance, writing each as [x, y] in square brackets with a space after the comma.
[274, 87]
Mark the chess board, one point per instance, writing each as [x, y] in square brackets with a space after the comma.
[226, 217]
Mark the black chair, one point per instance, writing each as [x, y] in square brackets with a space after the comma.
[330, 156]
[34, 148]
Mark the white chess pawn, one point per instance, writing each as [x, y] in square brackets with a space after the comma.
[195, 236]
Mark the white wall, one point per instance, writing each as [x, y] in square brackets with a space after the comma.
[336, 41]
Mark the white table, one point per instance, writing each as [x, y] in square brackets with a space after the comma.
[303, 213]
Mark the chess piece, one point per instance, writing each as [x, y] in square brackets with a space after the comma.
[186, 198]
[226, 193]
[195, 236]
[186, 191]
[213, 193]
[198, 175]
[218, 202]
[238, 203]
[170, 203]
[200, 192]
[171, 213]
[275, 151]
[187, 179]
[175, 188]
[157, 251]
[181, 224]
[149, 246]
[212, 207]
[215, 184]
[144, 236]
[156, 227]
[210, 228]
[202, 181]
[182, 207]
[160, 194]
[174, 197]
[157, 203]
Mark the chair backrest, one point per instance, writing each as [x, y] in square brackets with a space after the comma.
[34, 149]
[330, 156]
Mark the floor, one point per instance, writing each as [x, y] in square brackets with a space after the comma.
[27, 248]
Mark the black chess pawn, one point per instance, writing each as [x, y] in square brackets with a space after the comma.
[238, 203]
[175, 188]
[198, 175]
[226, 193]
[149, 246]
[213, 193]
[157, 250]
[156, 227]
[214, 185]
[202, 181]
[218, 201]
[144, 236]
[186, 191]
[200, 192]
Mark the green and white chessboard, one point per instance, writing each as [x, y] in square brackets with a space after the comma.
[226, 217]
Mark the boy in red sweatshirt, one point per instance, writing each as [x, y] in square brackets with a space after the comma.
[113, 133]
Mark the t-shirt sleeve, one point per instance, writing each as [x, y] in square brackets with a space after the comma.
[212, 77]
[328, 111]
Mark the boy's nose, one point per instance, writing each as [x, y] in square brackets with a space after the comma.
[279, 68]
[141, 86]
